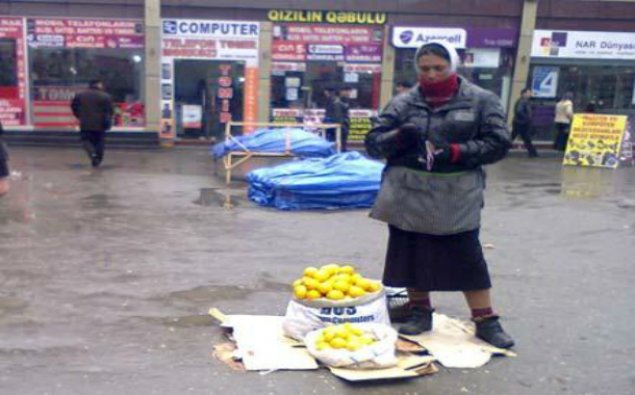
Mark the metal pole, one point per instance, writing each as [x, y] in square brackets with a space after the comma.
[152, 16]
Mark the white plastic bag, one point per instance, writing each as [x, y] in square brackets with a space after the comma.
[378, 355]
[303, 316]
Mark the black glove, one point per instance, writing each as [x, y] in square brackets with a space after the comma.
[409, 135]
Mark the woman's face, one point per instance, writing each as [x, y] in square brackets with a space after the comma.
[433, 68]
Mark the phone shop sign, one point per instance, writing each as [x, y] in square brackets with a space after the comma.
[583, 45]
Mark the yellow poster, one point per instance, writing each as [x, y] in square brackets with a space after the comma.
[595, 140]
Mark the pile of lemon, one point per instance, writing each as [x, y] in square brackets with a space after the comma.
[346, 336]
[333, 282]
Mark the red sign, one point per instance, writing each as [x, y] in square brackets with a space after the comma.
[300, 42]
[85, 33]
[12, 97]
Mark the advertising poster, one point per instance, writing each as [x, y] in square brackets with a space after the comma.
[85, 33]
[341, 43]
[595, 140]
[13, 69]
[583, 45]
[214, 40]
[544, 82]
[360, 124]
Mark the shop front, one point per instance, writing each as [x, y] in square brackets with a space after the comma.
[308, 58]
[487, 54]
[209, 76]
[597, 67]
[12, 72]
[66, 54]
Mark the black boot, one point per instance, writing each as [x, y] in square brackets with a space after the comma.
[490, 330]
[420, 321]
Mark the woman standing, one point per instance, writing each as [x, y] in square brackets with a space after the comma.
[564, 115]
[435, 138]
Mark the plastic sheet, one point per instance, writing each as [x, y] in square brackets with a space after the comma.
[345, 180]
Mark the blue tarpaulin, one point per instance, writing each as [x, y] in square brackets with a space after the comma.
[345, 180]
[302, 143]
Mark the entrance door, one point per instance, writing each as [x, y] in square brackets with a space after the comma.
[214, 85]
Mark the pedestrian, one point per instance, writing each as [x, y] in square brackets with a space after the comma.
[94, 110]
[336, 112]
[4, 165]
[435, 140]
[522, 123]
[402, 86]
[564, 115]
[590, 107]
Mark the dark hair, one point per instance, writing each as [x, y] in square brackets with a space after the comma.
[94, 83]
[404, 83]
[525, 91]
[433, 49]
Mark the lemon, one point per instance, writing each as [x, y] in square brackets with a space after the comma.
[325, 288]
[341, 331]
[321, 345]
[367, 339]
[363, 283]
[342, 286]
[310, 271]
[322, 275]
[300, 291]
[357, 331]
[356, 276]
[354, 344]
[311, 283]
[328, 334]
[374, 286]
[335, 294]
[297, 282]
[313, 294]
[356, 292]
[331, 268]
[338, 342]
[343, 277]
[347, 269]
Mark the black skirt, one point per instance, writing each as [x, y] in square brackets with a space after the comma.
[435, 263]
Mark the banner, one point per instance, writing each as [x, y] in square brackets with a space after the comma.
[414, 37]
[360, 119]
[85, 33]
[583, 45]
[13, 68]
[340, 43]
[336, 17]
[595, 140]
[360, 124]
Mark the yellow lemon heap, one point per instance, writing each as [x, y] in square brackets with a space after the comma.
[333, 282]
[346, 336]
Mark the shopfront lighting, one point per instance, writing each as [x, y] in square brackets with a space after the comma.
[136, 58]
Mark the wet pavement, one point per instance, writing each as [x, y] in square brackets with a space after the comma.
[106, 276]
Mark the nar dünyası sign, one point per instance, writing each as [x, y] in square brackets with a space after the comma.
[583, 45]
[414, 37]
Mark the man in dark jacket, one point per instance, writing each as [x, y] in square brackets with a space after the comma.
[336, 111]
[94, 110]
[522, 122]
[4, 165]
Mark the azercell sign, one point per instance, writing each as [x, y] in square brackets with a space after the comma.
[414, 37]
[583, 45]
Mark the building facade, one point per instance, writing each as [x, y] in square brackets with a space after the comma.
[272, 60]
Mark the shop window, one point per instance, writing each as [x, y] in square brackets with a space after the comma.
[57, 74]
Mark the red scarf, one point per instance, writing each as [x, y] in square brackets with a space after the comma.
[440, 92]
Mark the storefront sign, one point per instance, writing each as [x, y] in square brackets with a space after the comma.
[13, 97]
[583, 45]
[484, 37]
[213, 40]
[414, 37]
[545, 81]
[85, 33]
[299, 43]
[360, 119]
[191, 116]
[335, 17]
[595, 140]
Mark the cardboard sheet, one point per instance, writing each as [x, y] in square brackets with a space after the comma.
[453, 344]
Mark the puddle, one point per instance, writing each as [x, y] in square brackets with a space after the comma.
[214, 197]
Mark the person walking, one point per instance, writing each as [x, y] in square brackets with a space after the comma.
[4, 165]
[336, 111]
[94, 110]
[522, 123]
[436, 139]
[564, 116]
[402, 86]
